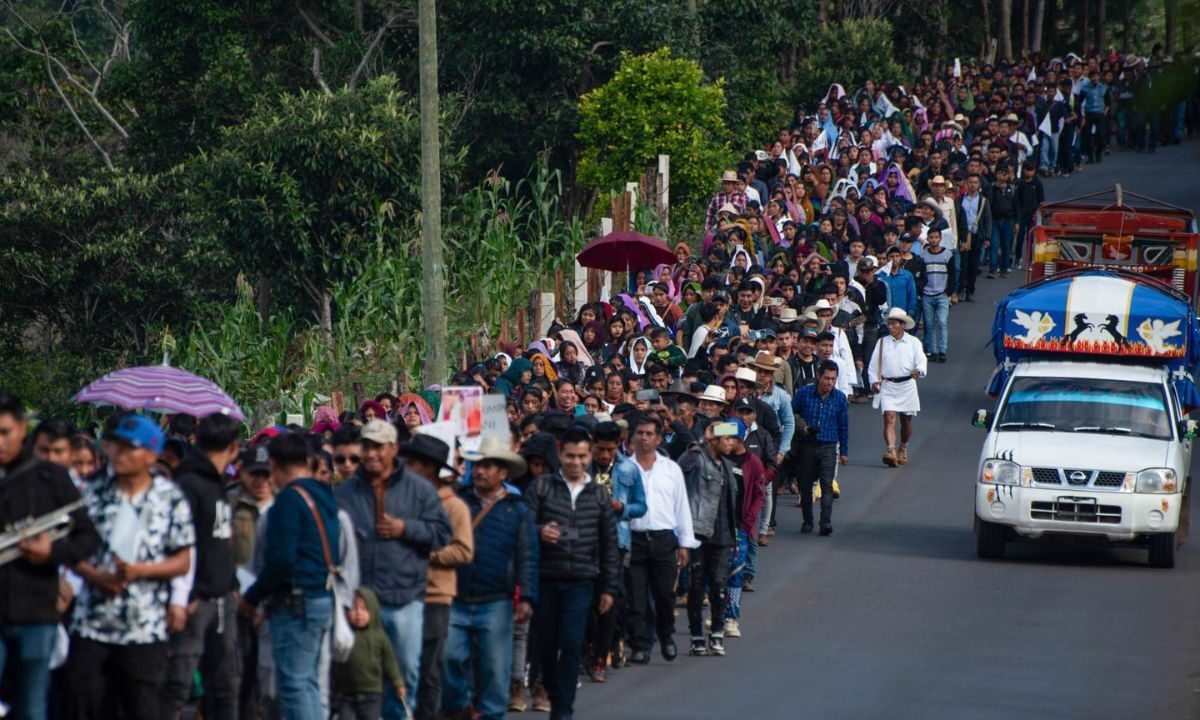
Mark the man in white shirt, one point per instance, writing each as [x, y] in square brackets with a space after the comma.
[898, 360]
[659, 541]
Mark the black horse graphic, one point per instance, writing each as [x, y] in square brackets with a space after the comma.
[1081, 324]
[1110, 327]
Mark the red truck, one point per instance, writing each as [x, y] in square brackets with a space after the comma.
[1116, 230]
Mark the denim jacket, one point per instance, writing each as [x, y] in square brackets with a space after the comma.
[627, 488]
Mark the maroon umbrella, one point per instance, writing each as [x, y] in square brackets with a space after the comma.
[621, 251]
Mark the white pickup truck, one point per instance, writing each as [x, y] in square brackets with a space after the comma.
[1090, 436]
[1084, 448]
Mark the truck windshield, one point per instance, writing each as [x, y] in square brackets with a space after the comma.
[1115, 407]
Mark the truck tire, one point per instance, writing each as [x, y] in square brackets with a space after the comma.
[990, 540]
[1162, 550]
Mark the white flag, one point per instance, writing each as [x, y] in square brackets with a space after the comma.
[1032, 74]
[957, 68]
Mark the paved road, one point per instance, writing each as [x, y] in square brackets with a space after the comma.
[894, 616]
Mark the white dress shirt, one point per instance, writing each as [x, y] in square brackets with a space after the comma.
[898, 359]
[666, 501]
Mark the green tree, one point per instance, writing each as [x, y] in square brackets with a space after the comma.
[309, 185]
[850, 52]
[655, 104]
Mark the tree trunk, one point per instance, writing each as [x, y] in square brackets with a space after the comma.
[987, 29]
[1050, 29]
[433, 292]
[1171, 13]
[1039, 15]
[327, 320]
[1024, 27]
[823, 11]
[1005, 26]
[1085, 34]
[1126, 26]
[1101, 20]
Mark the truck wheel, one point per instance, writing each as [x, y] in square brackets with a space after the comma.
[989, 540]
[1162, 550]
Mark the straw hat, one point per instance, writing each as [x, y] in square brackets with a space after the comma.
[714, 393]
[729, 176]
[745, 374]
[789, 314]
[899, 314]
[764, 360]
[496, 449]
[820, 305]
[937, 180]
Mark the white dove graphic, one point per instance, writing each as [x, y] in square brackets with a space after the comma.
[1157, 332]
[1036, 324]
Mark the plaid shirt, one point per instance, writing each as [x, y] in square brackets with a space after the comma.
[737, 199]
[830, 415]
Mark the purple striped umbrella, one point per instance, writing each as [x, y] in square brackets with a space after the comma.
[160, 388]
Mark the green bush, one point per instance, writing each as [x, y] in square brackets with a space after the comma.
[655, 104]
[850, 53]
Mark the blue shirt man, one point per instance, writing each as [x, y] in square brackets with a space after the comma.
[825, 413]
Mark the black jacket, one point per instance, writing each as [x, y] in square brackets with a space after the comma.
[204, 489]
[591, 554]
[29, 489]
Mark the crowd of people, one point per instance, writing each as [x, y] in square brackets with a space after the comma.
[359, 568]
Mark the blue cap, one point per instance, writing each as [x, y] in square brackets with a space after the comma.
[140, 432]
[741, 428]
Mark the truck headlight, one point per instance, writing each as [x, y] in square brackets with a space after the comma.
[1000, 472]
[1157, 480]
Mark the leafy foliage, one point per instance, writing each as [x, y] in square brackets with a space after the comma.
[850, 53]
[655, 104]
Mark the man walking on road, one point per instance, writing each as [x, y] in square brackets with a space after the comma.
[935, 299]
[898, 361]
[824, 442]
[660, 541]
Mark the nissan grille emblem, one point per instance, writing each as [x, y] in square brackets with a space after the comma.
[1078, 477]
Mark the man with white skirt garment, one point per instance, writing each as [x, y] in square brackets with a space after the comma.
[898, 360]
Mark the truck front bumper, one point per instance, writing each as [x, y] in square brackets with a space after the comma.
[1034, 512]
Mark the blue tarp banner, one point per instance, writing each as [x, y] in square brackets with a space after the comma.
[1095, 314]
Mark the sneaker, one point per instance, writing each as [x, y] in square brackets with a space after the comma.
[541, 699]
[889, 457]
[748, 584]
[596, 671]
[902, 456]
[716, 645]
[941, 357]
[699, 647]
[763, 541]
[806, 528]
[837, 490]
[826, 530]
[516, 697]
[731, 628]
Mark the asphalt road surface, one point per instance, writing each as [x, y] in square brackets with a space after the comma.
[893, 616]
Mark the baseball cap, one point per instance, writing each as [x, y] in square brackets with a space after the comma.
[743, 403]
[720, 296]
[808, 334]
[741, 428]
[140, 432]
[724, 429]
[254, 459]
[379, 432]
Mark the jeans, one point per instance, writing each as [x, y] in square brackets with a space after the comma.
[428, 697]
[296, 648]
[364, 706]
[405, 626]
[738, 571]
[559, 619]
[709, 571]
[209, 642]
[1000, 253]
[1049, 152]
[818, 463]
[652, 571]
[123, 681]
[970, 269]
[937, 314]
[478, 646]
[1095, 135]
[29, 647]
[520, 651]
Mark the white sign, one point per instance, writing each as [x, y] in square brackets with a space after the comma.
[495, 417]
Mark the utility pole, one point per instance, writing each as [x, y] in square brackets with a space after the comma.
[433, 265]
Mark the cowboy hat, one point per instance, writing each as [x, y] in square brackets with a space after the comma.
[1131, 60]
[714, 393]
[728, 208]
[960, 118]
[811, 316]
[868, 263]
[427, 447]
[764, 360]
[937, 180]
[679, 389]
[820, 305]
[899, 315]
[788, 314]
[745, 374]
[729, 176]
[931, 204]
[1010, 118]
[496, 449]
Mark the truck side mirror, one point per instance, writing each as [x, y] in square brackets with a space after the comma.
[980, 420]
[1188, 429]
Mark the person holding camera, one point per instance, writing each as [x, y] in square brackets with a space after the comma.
[822, 438]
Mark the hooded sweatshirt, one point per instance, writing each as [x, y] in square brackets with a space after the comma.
[372, 660]
[204, 489]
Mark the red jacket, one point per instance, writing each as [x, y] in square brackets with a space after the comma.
[753, 493]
